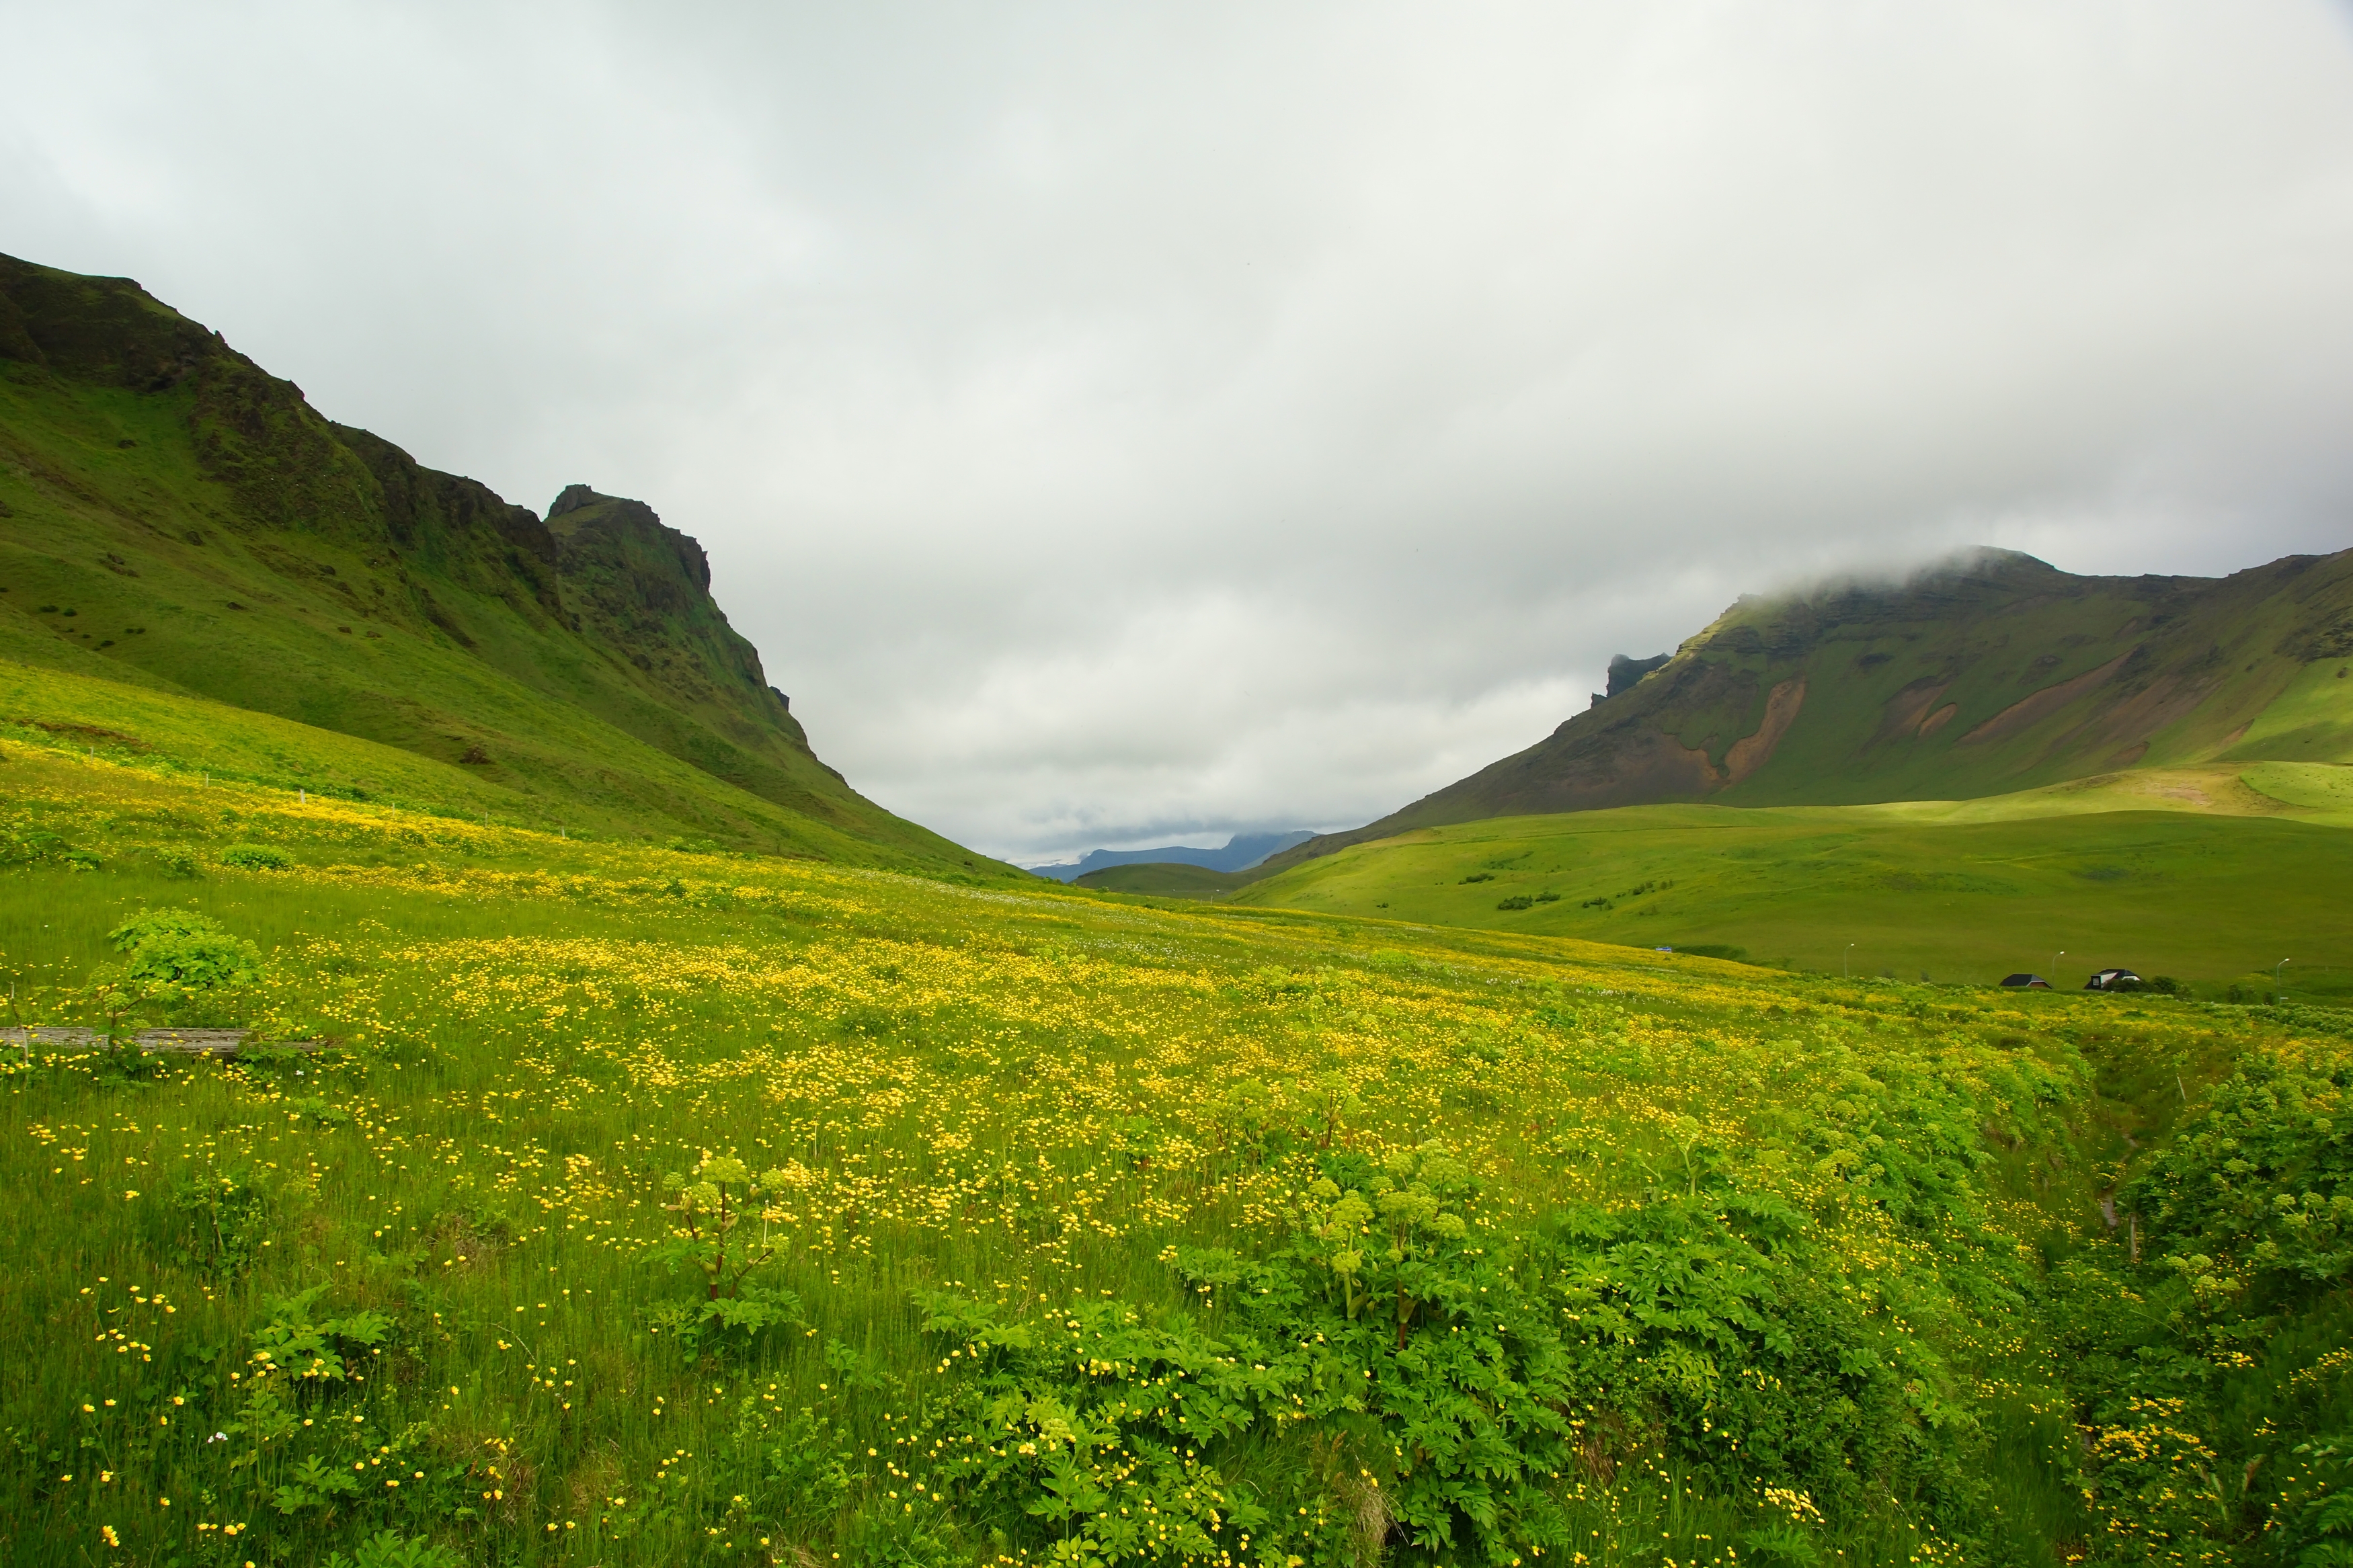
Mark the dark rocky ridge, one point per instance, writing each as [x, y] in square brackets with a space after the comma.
[599, 605]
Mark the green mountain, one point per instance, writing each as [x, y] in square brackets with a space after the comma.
[173, 517]
[1993, 674]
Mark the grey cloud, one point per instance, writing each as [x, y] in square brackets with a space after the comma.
[1114, 423]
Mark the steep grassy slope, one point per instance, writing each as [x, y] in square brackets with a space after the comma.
[1992, 675]
[173, 516]
[195, 739]
[1080, 1233]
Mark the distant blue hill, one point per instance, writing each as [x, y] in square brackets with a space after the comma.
[1240, 853]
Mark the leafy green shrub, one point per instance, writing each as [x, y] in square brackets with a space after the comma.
[255, 857]
[2252, 1204]
[222, 1219]
[783, 1475]
[184, 952]
[1477, 877]
[2314, 1509]
[736, 1311]
[34, 846]
[291, 1344]
[30, 847]
[319, 1112]
[1440, 1372]
[388, 1548]
[2205, 1358]
[1516, 901]
[178, 863]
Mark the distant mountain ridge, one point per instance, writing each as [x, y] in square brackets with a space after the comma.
[173, 516]
[1240, 853]
[1990, 673]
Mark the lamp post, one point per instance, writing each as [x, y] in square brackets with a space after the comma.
[2055, 958]
[1846, 963]
[2278, 996]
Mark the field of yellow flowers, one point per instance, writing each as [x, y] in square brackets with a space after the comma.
[598, 1203]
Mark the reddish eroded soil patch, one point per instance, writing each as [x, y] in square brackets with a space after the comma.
[2028, 711]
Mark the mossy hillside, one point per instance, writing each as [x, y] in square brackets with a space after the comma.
[2048, 677]
[209, 532]
[1963, 891]
[1988, 675]
[1047, 1190]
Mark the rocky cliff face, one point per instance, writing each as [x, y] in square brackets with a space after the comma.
[636, 583]
[260, 502]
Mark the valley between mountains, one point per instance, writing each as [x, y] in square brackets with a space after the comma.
[612, 1139]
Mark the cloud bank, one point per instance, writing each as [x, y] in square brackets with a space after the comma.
[1125, 424]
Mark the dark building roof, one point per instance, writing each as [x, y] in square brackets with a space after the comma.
[2109, 979]
[2020, 982]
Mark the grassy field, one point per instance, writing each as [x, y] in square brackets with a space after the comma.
[2209, 875]
[192, 738]
[1065, 1230]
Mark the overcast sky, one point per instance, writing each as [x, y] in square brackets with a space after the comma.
[1126, 424]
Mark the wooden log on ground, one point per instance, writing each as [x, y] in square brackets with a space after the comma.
[186, 1042]
[204, 1042]
[57, 1037]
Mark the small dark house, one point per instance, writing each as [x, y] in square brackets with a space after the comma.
[2112, 980]
[2024, 982]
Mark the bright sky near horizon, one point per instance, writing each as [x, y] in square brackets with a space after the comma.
[1119, 425]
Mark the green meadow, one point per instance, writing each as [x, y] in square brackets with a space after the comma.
[639, 1149]
[2209, 876]
[588, 1200]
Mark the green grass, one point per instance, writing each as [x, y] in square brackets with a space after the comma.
[2311, 719]
[191, 737]
[1962, 892]
[1032, 1147]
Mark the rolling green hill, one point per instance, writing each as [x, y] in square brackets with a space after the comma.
[1917, 890]
[1168, 878]
[174, 519]
[2208, 874]
[1993, 674]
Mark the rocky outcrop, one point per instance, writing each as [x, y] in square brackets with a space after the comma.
[599, 603]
